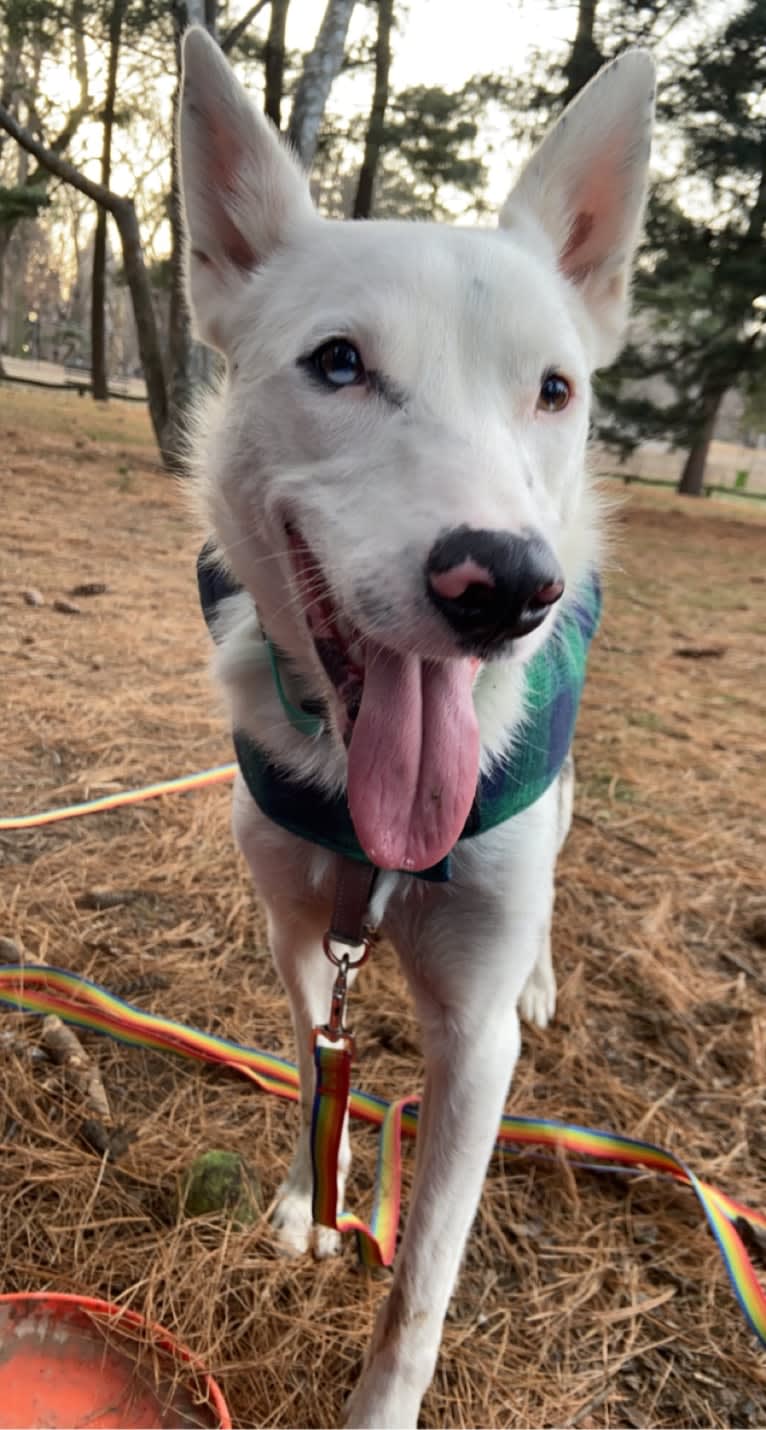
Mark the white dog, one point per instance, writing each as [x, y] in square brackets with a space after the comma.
[394, 474]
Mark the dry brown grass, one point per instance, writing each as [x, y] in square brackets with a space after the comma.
[584, 1299]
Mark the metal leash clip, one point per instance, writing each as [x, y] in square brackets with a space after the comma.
[346, 943]
[335, 1030]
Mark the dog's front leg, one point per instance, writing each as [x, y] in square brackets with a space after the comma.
[296, 947]
[471, 1042]
[297, 919]
[538, 999]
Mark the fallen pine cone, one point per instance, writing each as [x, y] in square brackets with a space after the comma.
[67, 608]
[33, 597]
[64, 1047]
[90, 588]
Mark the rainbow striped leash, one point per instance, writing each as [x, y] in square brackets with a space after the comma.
[220, 774]
[34, 989]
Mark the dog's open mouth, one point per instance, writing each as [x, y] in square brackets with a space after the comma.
[409, 725]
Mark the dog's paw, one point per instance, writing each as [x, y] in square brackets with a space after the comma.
[291, 1220]
[295, 1230]
[326, 1242]
[537, 1003]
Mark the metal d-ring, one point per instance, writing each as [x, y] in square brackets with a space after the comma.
[344, 960]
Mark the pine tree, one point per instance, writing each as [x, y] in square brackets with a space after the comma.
[700, 327]
[433, 158]
[603, 29]
[429, 153]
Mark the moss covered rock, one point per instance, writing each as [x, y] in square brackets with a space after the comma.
[221, 1182]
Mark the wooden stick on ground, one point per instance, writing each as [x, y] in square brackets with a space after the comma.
[64, 1048]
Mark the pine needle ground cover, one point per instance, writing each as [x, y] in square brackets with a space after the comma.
[589, 1300]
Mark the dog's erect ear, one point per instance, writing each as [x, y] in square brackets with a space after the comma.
[586, 187]
[242, 190]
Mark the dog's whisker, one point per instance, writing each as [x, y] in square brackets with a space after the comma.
[298, 601]
[246, 540]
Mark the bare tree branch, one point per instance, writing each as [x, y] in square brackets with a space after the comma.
[233, 36]
[136, 275]
[51, 160]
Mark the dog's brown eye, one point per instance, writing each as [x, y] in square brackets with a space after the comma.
[338, 363]
[555, 393]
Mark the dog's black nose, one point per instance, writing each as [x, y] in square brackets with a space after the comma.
[492, 586]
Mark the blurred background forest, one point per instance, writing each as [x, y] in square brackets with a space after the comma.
[407, 108]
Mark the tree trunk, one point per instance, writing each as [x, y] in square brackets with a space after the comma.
[179, 345]
[11, 66]
[374, 137]
[692, 479]
[320, 69]
[181, 367]
[231, 39]
[584, 57]
[98, 369]
[100, 376]
[274, 60]
[136, 275]
[137, 279]
[6, 233]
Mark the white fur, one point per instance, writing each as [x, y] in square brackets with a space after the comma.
[463, 323]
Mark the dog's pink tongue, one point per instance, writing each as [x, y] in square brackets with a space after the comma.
[413, 761]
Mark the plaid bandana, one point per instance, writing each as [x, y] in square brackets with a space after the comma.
[536, 751]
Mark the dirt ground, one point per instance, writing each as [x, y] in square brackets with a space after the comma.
[588, 1300]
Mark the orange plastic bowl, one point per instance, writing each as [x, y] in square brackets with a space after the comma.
[70, 1362]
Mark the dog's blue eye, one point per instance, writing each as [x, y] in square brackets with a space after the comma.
[555, 393]
[338, 363]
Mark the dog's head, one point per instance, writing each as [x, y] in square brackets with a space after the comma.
[396, 470]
